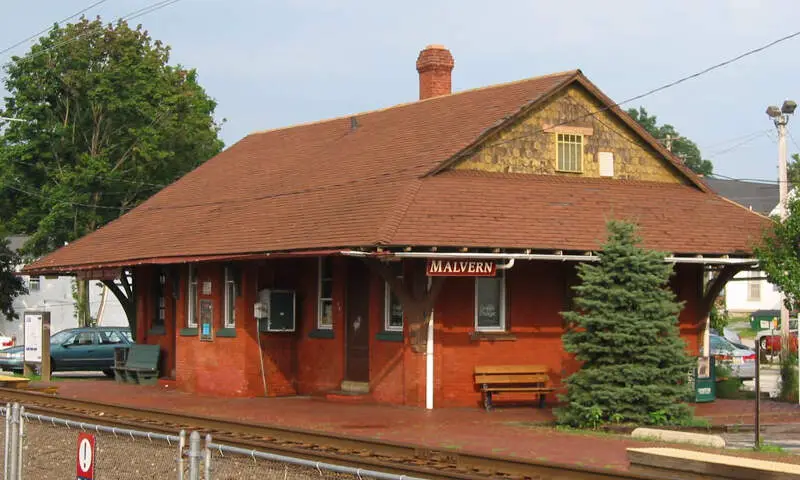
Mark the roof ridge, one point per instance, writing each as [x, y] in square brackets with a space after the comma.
[415, 102]
[387, 230]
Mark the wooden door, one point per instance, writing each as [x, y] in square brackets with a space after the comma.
[357, 362]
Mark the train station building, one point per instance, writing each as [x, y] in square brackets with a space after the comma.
[384, 255]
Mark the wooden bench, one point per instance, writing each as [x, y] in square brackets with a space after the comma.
[512, 378]
[141, 365]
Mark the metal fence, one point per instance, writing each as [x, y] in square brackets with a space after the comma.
[43, 448]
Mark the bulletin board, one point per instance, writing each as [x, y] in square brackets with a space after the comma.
[206, 320]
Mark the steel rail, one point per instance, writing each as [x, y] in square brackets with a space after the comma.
[357, 452]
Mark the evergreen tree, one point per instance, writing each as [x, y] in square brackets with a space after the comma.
[624, 330]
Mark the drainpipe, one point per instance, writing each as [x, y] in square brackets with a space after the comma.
[540, 256]
[429, 359]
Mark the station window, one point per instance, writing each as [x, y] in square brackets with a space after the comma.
[569, 152]
[191, 298]
[393, 309]
[160, 298]
[231, 292]
[490, 303]
[325, 289]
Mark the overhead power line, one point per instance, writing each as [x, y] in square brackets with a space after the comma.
[661, 88]
[129, 16]
[42, 32]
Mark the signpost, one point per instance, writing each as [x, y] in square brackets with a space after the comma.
[85, 461]
[36, 336]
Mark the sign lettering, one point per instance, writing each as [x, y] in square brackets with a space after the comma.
[461, 268]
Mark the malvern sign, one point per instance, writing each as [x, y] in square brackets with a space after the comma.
[461, 268]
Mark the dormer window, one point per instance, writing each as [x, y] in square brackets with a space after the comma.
[569, 152]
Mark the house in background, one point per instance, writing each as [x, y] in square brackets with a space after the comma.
[749, 291]
[54, 294]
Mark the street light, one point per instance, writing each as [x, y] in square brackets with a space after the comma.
[780, 116]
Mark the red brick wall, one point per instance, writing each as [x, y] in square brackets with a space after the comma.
[386, 356]
[535, 296]
[297, 363]
[222, 366]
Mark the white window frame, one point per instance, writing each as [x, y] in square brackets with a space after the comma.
[503, 307]
[387, 307]
[569, 140]
[322, 300]
[37, 280]
[230, 298]
[192, 298]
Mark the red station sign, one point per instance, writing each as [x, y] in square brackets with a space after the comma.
[461, 268]
[85, 460]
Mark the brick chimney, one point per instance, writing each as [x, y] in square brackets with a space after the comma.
[434, 65]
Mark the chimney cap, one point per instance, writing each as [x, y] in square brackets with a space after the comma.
[435, 57]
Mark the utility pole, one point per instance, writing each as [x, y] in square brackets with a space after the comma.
[780, 116]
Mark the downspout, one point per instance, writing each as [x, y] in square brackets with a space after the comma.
[429, 359]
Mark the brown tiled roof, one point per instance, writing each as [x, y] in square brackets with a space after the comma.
[569, 213]
[365, 180]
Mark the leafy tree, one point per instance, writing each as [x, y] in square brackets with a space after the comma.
[11, 285]
[624, 330]
[107, 123]
[779, 254]
[793, 172]
[680, 146]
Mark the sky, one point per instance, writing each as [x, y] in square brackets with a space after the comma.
[276, 63]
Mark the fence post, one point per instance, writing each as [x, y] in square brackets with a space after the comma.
[7, 443]
[194, 456]
[21, 443]
[207, 455]
[13, 456]
[181, 448]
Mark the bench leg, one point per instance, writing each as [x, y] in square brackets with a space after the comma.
[487, 401]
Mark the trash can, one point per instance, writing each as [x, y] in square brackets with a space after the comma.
[705, 381]
[763, 319]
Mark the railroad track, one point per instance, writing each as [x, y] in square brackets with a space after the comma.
[390, 457]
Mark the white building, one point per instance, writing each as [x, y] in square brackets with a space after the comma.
[749, 291]
[55, 295]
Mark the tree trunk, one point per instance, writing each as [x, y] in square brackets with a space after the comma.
[126, 294]
[416, 295]
[82, 303]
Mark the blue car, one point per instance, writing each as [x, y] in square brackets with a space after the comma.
[76, 349]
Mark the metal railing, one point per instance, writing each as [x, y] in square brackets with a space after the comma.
[184, 456]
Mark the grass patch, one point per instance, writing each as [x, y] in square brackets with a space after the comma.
[748, 332]
[767, 448]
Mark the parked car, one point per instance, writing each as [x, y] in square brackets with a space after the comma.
[6, 342]
[771, 341]
[741, 361]
[89, 348]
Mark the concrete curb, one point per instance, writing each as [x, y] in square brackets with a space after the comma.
[674, 436]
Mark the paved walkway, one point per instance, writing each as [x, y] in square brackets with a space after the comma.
[516, 432]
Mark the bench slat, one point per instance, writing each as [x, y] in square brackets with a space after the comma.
[519, 389]
[496, 369]
[506, 378]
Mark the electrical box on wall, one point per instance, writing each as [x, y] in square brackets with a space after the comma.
[275, 311]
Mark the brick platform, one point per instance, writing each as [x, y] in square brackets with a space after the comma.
[520, 431]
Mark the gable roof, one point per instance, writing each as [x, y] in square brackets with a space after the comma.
[758, 196]
[363, 180]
